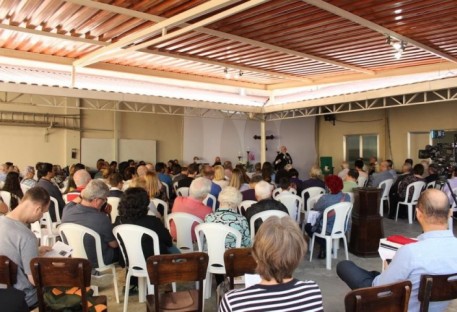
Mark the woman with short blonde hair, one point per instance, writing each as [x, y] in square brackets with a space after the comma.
[278, 249]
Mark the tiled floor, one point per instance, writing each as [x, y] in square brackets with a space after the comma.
[333, 289]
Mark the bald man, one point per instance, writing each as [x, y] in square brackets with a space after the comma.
[435, 252]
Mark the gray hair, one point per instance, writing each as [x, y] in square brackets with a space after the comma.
[230, 197]
[263, 190]
[95, 189]
[81, 177]
[199, 188]
[29, 169]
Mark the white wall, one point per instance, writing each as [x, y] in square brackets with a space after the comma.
[208, 138]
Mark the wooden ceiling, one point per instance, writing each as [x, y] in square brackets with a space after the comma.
[265, 45]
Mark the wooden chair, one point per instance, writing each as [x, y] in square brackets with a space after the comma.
[8, 271]
[165, 269]
[392, 297]
[63, 272]
[238, 261]
[437, 288]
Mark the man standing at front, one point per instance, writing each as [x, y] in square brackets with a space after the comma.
[282, 159]
[434, 253]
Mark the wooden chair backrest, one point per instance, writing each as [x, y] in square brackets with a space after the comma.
[8, 271]
[437, 288]
[238, 261]
[61, 272]
[392, 297]
[165, 269]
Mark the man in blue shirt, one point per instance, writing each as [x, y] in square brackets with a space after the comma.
[434, 253]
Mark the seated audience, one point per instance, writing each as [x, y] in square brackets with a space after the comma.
[350, 182]
[228, 169]
[263, 192]
[315, 178]
[13, 186]
[133, 209]
[335, 186]
[199, 189]
[219, 176]
[88, 211]
[452, 183]
[415, 176]
[378, 177]
[238, 180]
[373, 165]
[229, 199]
[432, 174]
[393, 193]
[129, 175]
[29, 175]
[45, 175]
[358, 164]
[250, 193]
[344, 170]
[268, 173]
[59, 176]
[19, 244]
[116, 183]
[295, 182]
[178, 173]
[278, 249]
[163, 176]
[217, 161]
[208, 172]
[434, 253]
[192, 171]
[390, 168]
[141, 171]
[81, 179]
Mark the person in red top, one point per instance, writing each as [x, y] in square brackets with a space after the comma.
[81, 178]
[199, 189]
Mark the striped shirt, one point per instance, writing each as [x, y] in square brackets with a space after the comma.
[293, 296]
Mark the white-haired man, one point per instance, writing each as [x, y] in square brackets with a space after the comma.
[198, 190]
[81, 178]
[263, 192]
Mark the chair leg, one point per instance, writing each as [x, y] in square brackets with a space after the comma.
[346, 248]
[336, 246]
[381, 208]
[328, 258]
[311, 249]
[142, 288]
[410, 213]
[116, 289]
[126, 291]
[208, 284]
[396, 214]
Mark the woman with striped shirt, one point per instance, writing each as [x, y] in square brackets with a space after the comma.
[278, 249]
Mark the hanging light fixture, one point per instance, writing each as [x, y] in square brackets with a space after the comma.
[398, 45]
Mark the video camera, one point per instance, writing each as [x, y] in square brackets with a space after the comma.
[443, 155]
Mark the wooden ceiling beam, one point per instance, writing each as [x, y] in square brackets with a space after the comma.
[220, 34]
[106, 52]
[378, 28]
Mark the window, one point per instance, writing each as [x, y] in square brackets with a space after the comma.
[364, 146]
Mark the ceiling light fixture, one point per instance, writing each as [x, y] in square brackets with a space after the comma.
[232, 73]
[398, 45]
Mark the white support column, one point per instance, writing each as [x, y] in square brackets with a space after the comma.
[116, 130]
[263, 144]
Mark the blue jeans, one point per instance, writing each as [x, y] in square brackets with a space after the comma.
[354, 276]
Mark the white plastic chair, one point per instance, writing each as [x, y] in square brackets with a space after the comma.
[167, 189]
[418, 187]
[214, 235]
[65, 199]
[114, 202]
[263, 215]
[244, 205]
[310, 202]
[129, 237]
[6, 196]
[25, 188]
[213, 201]
[183, 224]
[175, 186]
[183, 191]
[385, 186]
[309, 192]
[73, 235]
[45, 230]
[157, 202]
[342, 213]
[276, 192]
[293, 203]
[431, 184]
[361, 181]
